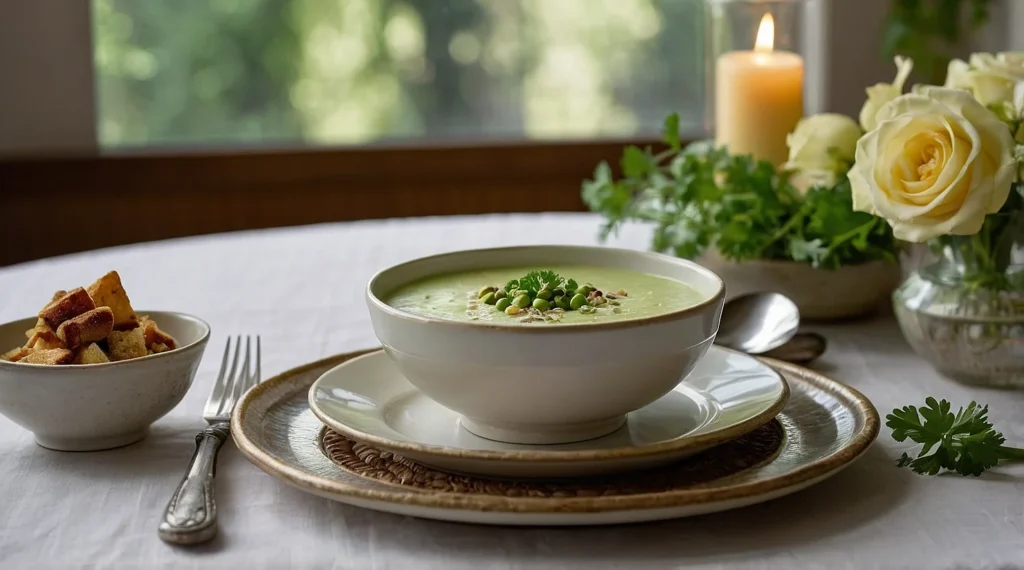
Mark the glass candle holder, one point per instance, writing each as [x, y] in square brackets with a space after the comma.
[755, 83]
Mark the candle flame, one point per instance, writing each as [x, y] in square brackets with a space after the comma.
[765, 41]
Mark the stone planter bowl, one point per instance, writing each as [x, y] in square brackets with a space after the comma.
[820, 294]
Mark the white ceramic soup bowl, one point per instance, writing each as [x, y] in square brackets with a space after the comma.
[89, 407]
[546, 383]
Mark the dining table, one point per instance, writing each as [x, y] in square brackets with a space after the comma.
[302, 290]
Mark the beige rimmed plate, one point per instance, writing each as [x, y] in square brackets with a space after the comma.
[727, 395]
[825, 426]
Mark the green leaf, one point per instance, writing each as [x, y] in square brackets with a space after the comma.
[701, 196]
[895, 37]
[964, 443]
[811, 251]
[929, 30]
[636, 163]
[534, 281]
[670, 132]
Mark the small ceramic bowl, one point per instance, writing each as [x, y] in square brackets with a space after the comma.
[851, 291]
[543, 384]
[100, 406]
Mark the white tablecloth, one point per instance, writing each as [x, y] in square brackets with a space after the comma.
[302, 289]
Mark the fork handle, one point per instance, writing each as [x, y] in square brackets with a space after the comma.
[191, 514]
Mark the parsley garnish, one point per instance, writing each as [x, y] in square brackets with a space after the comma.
[964, 443]
[701, 197]
[534, 281]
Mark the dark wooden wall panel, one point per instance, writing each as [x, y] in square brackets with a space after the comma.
[63, 205]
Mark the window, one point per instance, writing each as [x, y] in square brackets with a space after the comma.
[355, 72]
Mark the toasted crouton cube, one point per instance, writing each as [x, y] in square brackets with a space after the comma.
[85, 328]
[76, 302]
[154, 335]
[52, 356]
[107, 291]
[42, 337]
[91, 354]
[125, 345]
[43, 343]
[58, 294]
[40, 325]
[158, 347]
[15, 355]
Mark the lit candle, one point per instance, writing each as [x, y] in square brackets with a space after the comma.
[758, 97]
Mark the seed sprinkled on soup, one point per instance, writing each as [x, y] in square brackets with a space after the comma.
[563, 294]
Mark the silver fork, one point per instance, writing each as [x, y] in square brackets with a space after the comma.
[191, 514]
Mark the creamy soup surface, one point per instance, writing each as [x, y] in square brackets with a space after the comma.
[454, 296]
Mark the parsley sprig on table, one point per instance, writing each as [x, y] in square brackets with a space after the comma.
[701, 197]
[964, 442]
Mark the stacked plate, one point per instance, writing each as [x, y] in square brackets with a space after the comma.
[737, 431]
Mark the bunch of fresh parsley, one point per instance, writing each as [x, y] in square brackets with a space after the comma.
[963, 443]
[701, 197]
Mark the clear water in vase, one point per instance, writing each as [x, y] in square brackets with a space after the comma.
[970, 326]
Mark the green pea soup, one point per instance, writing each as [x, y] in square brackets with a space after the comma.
[453, 296]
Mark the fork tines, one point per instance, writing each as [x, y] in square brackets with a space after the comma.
[233, 380]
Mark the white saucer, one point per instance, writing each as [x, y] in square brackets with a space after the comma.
[727, 395]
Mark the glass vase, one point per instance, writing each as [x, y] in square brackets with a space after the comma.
[963, 308]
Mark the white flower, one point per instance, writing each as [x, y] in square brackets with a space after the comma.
[820, 149]
[936, 164]
[990, 78]
[881, 93]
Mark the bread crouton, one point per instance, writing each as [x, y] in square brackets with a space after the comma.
[74, 303]
[58, 294]
[40, 325]
[52, 356]
[107, 291]
[91, 354]
[154, 335]
[125, 345]
[43, 343]
[42, 337]
[88, 327]
[15, 355]
[158, 347]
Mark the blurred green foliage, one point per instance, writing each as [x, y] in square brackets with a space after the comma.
[213, 72]
[928, 30]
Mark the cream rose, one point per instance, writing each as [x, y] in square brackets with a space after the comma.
[936, 164]
[820, 149]
[990, 78]
[881, 93]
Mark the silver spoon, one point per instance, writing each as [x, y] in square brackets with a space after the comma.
[757, 323]
[801, 349]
